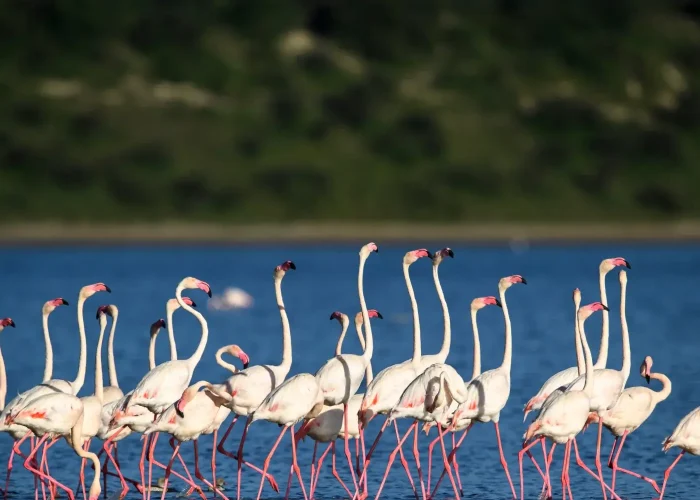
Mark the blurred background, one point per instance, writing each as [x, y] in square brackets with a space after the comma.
[317, 110]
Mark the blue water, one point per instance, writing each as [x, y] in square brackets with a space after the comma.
[662, 308]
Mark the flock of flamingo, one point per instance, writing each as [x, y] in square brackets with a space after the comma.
[327, 405]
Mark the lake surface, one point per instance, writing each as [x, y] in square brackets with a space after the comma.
[662, 313]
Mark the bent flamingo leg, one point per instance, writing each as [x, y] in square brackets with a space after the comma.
[266, 464]
[667, 473]
[521, 453]
[416, 456]
[402, 458]
[335, 471]
[392, 457]
[581, 464]
[450, 459]
[318, 469]
[29, 466]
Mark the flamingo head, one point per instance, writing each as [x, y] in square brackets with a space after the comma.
[577, 297]
[341, 317]
[282, 269]
[371, 313]
[5, 322]
[50, 305]
[509, 281]
[194, 283]
[236, 351]
[414, 255]
[187, 396]
[441, 254]
[95, 491]
[481, 302]
[155, 327]
[174, 305]
[585, 311]
[608, 265]
[90, 290]
[366, 250]
[645, 369]
[102, 311]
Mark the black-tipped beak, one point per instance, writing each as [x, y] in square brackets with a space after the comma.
[194, 304]
[524, 282]
[430, 255]
[379, 315]
[163, 324]
[648, 378]
[108, 289]
[11, 323]
[209, 292]
[245, 365]
[450, 253]
[498, 303]
[628, 265]
[605, 308]
[376, 249]
[64, 302]
[292, 265]
[179, 413]
[332, 316]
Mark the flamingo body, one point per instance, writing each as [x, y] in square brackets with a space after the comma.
[295, 399]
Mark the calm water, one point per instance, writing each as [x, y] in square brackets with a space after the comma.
[662, 308]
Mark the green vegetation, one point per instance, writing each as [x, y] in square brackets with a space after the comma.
[268, 110]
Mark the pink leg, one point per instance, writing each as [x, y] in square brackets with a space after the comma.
[313, 470]
[612, 451]
[456, 466]
[9, 471]
[598, 465]
[667, 473]
[416, 456]
[580, 463]
[616, 468]
[168, 469]
[402, 458]
[431, 446]
[318, 469]
[368, 457]
[392, 457]
[295, 464]
[565, 471]
[239, 458]
[521, 453]
[151, 459]
[199, 475]
[289, 483]
[29, 466]
[213, 458]
[357, 457]
[146, 440]
[548, 467]
[445, 463]
[503, 458]
[266, 464]
[613, 464]
[334, 471]
[348, 455]
[189, 480]
[125, 487]
[450, 459]
[174, 473]
[362, 447]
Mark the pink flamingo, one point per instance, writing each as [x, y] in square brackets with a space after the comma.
[488, 393]
[249, 387]
[685, 436]
[340, 377]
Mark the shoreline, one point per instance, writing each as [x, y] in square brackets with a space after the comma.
[171, 233]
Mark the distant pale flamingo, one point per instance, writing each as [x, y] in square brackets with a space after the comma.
[340, 377]
[4, 323]
[249, 387]
[488, 393]
[686, 436]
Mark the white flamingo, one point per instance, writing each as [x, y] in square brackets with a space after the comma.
[565, 377]
[385, 390]
[249, 387]
[562, 419]
[340, 377]
[430, 359]
[685, 436]
[631, 410]
[488, 393]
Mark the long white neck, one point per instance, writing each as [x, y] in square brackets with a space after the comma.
[580, 359]
[152, 352]
[665, 390]
[369, 375]
[447, 336]
[197, 355]
[626, 350]
[76, 444]
[603, 353]
[508, 349]
[343, 330]
[48, 349]
[369, 347]
[224, 364]
[110, 351]
[588, 383]
[286, 332]
[171, 334]
[416, 320]
[3, 382]
[98, 361]
[476, 371]
[82, 363]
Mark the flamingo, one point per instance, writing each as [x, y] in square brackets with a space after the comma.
[563, 418]
[385, 390]
[296, 399]
[685, 436]
[631, 410]
[565, 377]
[340, 377]
[249, 387]
[430, 359]
[488, 393]
[112, 392]
[329, 425]
[59, 414]
[163, 385]
[608, 383]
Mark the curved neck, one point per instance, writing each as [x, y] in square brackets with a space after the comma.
[48, 349]
[626, 351]
[588, 383]
[369, 375]
[98, 361]
[447, 335]
[665, 390]
[476, 371]
[580, 359]
[82, 363]
[110, 352]
[286, 333]
[343, 330]
[197, 355]
[75, 443]
[3, 382]
[416, 319]
[369, 346]
[171, 334]
[152, 352]
[602, 360]
[219, 361]
[508, 349]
